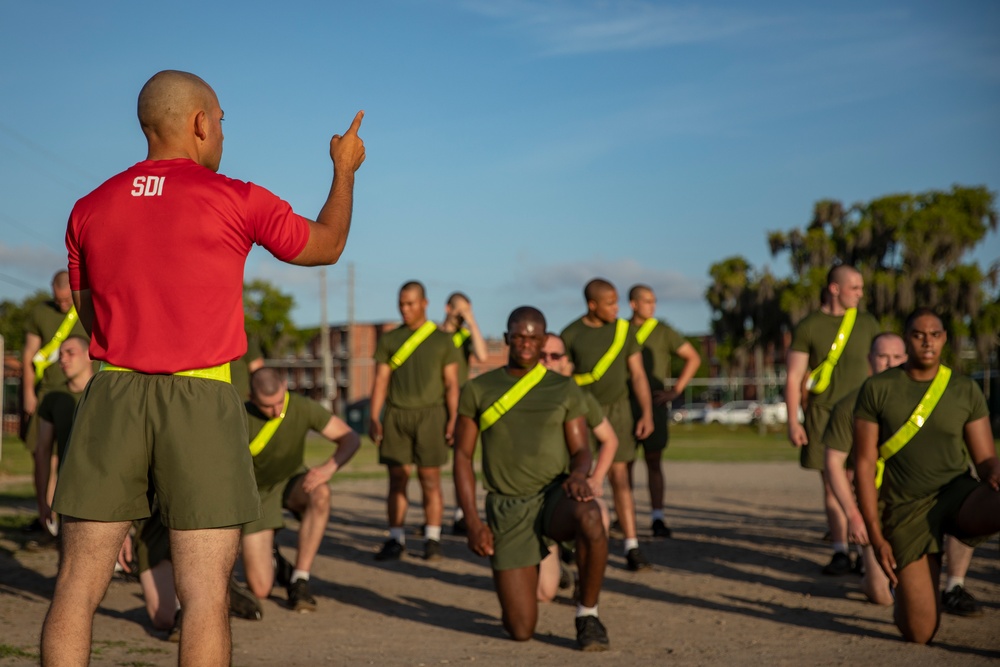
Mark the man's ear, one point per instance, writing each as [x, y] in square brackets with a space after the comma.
[201, 125]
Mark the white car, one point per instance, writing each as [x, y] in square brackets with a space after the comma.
[775, 412]
[689, 412]
[734, 412]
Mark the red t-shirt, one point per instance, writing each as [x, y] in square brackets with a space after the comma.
[162, 247]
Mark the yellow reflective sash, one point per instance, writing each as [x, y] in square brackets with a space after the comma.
[461, 336]
[266, 432]
[49, 353]
[510, 398]
[412, 343]
[917, 419]
[604, 363]
[220, 372]
[647, 328]
[819, 379]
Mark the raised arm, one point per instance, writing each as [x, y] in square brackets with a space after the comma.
[478, 344]
[328, 234]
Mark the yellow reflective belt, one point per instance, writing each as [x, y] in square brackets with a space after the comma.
[819, 379]
[909, 429]
[266, 432]
[647, 328]
[510, 398]
[49, 354]
[604, 363]
[461, 336]
[412, 343]
[220, 372]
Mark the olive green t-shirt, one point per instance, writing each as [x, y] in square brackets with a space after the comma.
[419, 382]
[239, 370]
[840, 429]
[937, 453]
[814, 335]
[585, 346]
[43, 321]
[662, 343]
[285, 451]
[525, 450]
[58, 408]
[464, 354]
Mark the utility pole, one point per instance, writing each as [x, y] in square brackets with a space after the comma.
[329, 390]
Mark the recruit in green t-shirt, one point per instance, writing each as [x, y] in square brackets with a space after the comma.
[285, 451]
[43, 321]
[815, 334]
[525, 450]
[419, 382]
[585, 346]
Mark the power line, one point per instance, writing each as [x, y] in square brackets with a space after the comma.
[19, 283]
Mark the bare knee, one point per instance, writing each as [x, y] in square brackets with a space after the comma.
[519, 630]
[590, 522]
[319, 498]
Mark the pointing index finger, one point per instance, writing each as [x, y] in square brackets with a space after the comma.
[356, 123]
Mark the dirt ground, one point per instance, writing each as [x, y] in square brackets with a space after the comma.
[739, 583]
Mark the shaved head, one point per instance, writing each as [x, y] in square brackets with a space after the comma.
[265, 382]
[526, 314]
[595, 288]
[60, 280]
[840, 273]
[169, 98]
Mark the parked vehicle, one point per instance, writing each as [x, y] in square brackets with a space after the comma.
[689, 412]
[774, 412]
[734, 412]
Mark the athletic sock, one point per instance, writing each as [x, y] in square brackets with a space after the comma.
[840, 547]
[954, 581]
[433, 533]
[657, 514]
[585, 611]
[459, 514]
[631, 543]
[299, 574]
[398, 533]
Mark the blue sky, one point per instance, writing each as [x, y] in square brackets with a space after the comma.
[515, 149]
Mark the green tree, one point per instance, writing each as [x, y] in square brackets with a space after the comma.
[908, 247]
[14, 315]
[267, 312]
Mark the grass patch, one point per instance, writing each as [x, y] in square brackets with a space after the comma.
[15, 459]
[728, 444]
[8, 651]
[13, 521]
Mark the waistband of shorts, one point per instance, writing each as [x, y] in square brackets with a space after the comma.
[220, 373]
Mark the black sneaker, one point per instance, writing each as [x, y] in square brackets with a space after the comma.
[391, 550]
[660, 529]
[432, 550]
[960, 602]
[460, 527]
[282, 568]
[838, 566]
[590, 634]
[174, 635]
[636, 561]
[243, 603]
[299, 598]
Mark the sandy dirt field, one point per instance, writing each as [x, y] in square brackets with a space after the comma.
[739, 583]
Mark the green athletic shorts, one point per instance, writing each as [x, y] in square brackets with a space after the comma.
[273, 499]
[520, 526]
[813, 455]
[660, 437]
[619, 414]
[414, 436]
[919, 526]
[152, 541]
[186, 437]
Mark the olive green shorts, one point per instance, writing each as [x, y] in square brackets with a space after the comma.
[185, 437]
[619, 415]
[273, 499]
[919, 526]
[520, 526]
[813, 455]
[659, 438]
[152, 541]
[414, 436]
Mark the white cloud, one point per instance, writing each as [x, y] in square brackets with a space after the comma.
[568, 28]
